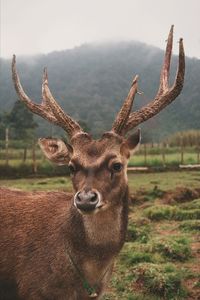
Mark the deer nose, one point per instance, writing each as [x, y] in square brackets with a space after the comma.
[86, 201]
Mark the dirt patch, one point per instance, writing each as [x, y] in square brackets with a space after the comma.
[139, 197]
[170, 228]
[194, 292]
[192, 284]
[180, 195]
[144, 196]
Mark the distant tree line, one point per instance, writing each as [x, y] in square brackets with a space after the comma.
[19, 124]
[90, 83]
[185, 138]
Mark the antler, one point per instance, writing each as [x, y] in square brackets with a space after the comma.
[124, 113]
[125, 120]
[49, 108]
[165, 93]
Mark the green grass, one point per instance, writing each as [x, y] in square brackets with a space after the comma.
[167, 212]
[173, 247]
[160, 212]
[192, 214]
[195, 204]
[161, 280]
[131, 258]
[138, 233]
[190, 225]
[163, 181]
[157, 159]
[42, 184]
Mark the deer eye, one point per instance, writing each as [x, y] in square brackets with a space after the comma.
[116, 167]
[72, 168]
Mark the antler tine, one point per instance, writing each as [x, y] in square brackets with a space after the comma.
[46, 109]
[67, 122]
[165, 94]
[35, 108]
[164, 76]
[124, 112]
[179, 80]
[44, 81]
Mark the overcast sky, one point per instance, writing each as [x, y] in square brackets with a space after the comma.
[42, 26]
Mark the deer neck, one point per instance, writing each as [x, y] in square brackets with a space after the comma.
[104, 228]
[104, 231]
[97, 241]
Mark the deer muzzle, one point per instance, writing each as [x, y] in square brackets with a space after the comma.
[87, 201]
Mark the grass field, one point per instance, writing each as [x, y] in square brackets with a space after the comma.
[161, 256]
[163, 180]
[157, 159]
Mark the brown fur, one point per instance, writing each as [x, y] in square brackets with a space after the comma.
[39, 229]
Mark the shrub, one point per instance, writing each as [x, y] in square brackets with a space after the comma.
[136, 257]
[167, 212]
[182, 195]
[190, 225]
[195, 204]
[160, 212]
[175, 248]
[192, 214]
[140, 233]
[161, 280]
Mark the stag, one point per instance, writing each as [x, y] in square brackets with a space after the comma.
[59, 246]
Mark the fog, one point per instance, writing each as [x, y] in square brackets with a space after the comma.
[31, 27]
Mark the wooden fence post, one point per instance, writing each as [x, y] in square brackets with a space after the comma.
[24, 154]
[145, 154]
[7, 145]
[163, 154]
[198, 155]
[182, 154]
[34, 159]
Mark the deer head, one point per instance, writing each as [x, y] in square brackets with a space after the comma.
[98, 167]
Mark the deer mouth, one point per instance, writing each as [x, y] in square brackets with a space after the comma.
[86, 208]
[97, 209]
[87, 211]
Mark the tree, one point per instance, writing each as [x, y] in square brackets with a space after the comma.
[185, 138]
[21, 122]
[23, 127]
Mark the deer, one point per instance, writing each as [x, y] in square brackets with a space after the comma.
[62, 246]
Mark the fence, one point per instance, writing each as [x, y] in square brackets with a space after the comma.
[21, 160]
[161, 155]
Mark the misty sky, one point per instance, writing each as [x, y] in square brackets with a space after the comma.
[42, 26]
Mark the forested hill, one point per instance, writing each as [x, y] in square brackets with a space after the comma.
[91, 81]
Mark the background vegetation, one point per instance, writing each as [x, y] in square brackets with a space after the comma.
[91, 81]
[23, 158]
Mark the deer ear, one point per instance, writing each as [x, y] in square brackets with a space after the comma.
[132, 143]
[56, 150]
